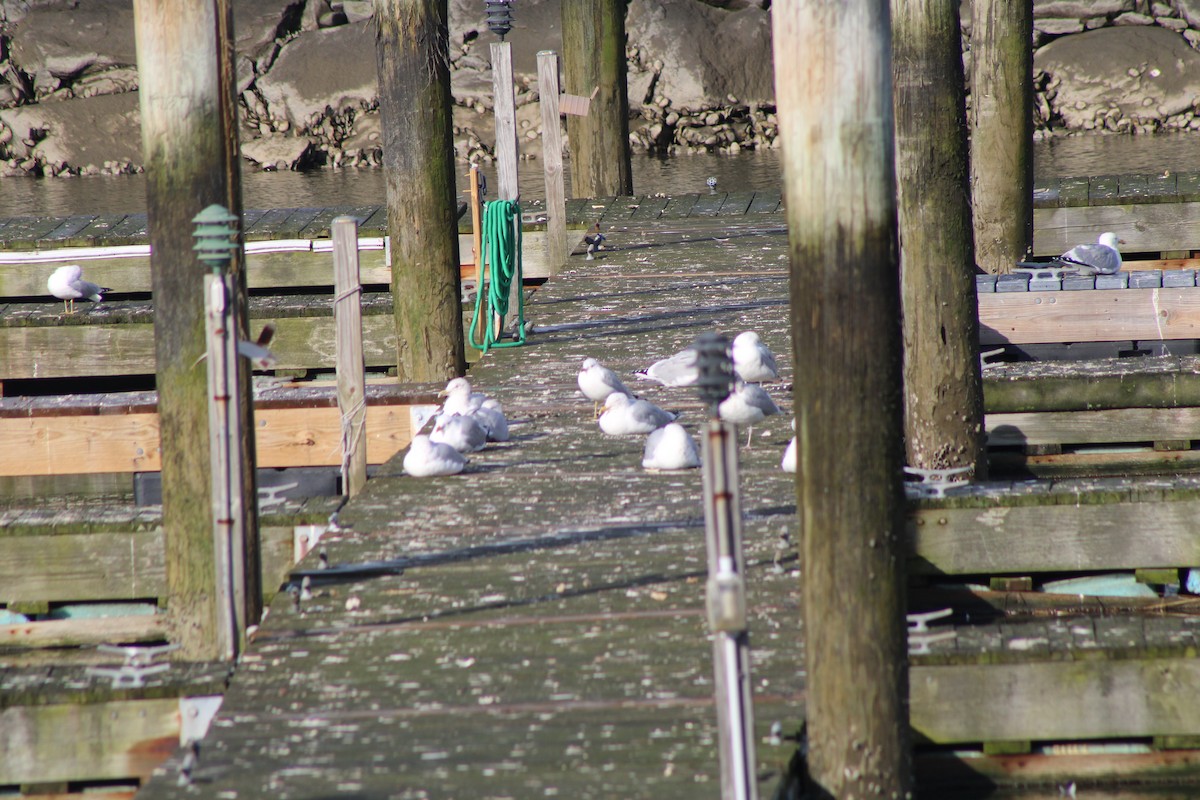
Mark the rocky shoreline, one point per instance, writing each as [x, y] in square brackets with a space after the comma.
[700, 78]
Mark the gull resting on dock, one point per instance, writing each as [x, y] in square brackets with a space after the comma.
[1101, 258]
[426, 459]
[461, 431]
[68, 285]
[624, 415]
[670, 447]
[460, 399]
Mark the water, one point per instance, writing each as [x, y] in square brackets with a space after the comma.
[750, 170]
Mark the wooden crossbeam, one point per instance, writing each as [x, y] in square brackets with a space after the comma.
[1093, 427]
[1089, 316]
[286, 437]
[1145, 227]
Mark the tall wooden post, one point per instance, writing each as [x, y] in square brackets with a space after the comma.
[189, 138]
[552, 160]
[594, 58]
[1002, 131]
[506, 145]
[351, 369]
[943, 393]
[833, 89]
[412, 57]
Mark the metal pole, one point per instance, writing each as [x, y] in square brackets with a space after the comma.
[726, 583]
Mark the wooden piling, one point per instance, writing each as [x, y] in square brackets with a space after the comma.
[943, 387]
[552, 160]
[412, 59]
[189, 138]
[1002, 131]
[836, 124]
[351, 371]
[505, 111]
[594, 61]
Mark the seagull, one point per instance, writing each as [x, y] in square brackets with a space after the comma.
[624, 415]
[680, 369]
[753, 361]
[789, 457]
[491, 416]
[427, 459]
[1102, 258]
[461, 431]
[670, 447]
[594, 242]
[459, 397]
[747, 404]
[597, 382]
[68, 285]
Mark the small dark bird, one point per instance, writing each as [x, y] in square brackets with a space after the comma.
[594, 241]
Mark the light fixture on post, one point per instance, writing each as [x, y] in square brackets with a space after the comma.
[499, 16]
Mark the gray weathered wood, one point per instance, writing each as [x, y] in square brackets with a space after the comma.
[1145, 228]
[188, 119]
[594, 62]
[836, 126]
[412, 60]
[351, 371]
[552, 161]
[505, 112]
[1002, 132]
[943, 394]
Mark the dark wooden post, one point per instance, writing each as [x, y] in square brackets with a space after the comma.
[189, 138]
[943, 392]
[594, 57]
[1002, 131]
[833, 80]
[412, 57]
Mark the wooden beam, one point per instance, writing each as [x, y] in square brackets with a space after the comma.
[1117, 425]
[96, 741]
[1146, 228]
[1089, 316]
[77, 632]
[1055, 700]
[285, 437]
[1046, 537]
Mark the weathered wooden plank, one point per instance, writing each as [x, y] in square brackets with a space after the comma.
[1164, 382]
[95, 741]
[286, 437]
[69, 229]
[1093, 427]
[736, 204]
[22, 233]
[766, 201]
[82, 632]
[680, 206]
[131, 230]
[1014, 539]
[1054, 700]
[650, 208]
[1103, 190]
[1047, 192]
[707, 205]
[1133, 188]
[1092, 316]
[1147, 228]
[268, 225]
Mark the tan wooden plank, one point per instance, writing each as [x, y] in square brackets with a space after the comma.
[1145, 227]
[1093, 427]
[77, 632]
[82, 567]
[1055, 700]
[1089, 316]
[97, 741]
[1054, 538]
[286, 437]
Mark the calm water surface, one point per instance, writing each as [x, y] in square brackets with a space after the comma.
[1070, 156]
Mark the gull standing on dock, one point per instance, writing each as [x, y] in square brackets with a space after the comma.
[670, 447]
[597, 382]
[1101, 258]
[624, 415]
[427, 459]
[459, 397]
[68, 285]
[747, 404]
[753, 361]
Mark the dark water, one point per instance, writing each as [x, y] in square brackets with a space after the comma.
[1071, 156]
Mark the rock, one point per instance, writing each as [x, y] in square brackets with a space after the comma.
[1133, 19]
[323, 73]
[82, 131]
[56, 44]
[279, 152]
[1054, 26]
[1133, 69]
[1080, 8]
[1189, 10]
[358, 10]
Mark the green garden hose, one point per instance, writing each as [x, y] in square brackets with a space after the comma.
[502, 255]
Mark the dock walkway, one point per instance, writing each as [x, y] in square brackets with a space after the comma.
[547, 635]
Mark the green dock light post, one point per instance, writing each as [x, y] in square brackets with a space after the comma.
[236, 594]
[726, 575]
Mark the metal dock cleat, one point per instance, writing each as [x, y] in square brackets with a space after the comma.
[139, 664]
[934, 482]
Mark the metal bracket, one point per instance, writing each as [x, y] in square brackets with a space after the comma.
[139, 664]
[919, 638]
[919, 645]
[269, 496]
[934, 482]
[920, 622]
[986, 354]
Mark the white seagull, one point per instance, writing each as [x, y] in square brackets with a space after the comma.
[623, 415]
[459, 397]
[68, 285]
[677, 370]
[753, 361]
[747, 404]
[461, 431]
[426, 459]
[789, 457]
[597, 382]
[491, 416]
[1102, 258]
[670, 447]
